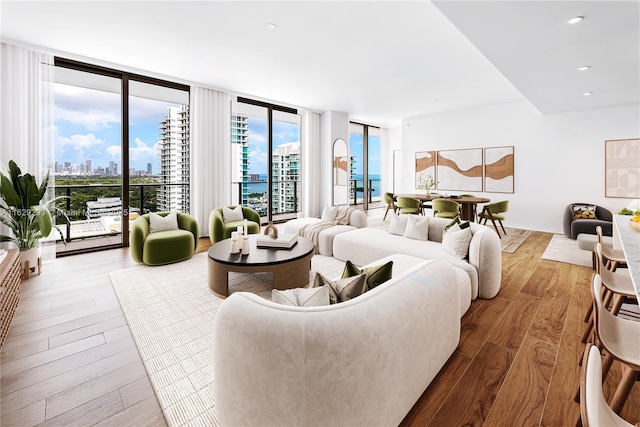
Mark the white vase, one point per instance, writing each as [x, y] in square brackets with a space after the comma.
[34, 257]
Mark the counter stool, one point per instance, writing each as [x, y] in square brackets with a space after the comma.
[620, 338]
[613, 257]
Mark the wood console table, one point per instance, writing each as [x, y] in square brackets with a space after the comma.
[9, 290]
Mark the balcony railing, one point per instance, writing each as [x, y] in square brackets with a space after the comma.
[143, 198]
[282, 189]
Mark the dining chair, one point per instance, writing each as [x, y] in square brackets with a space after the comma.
[493, 212]
[619, 337]
[612, 257]
[390, 200]
[616, 284]
[408, 205]
[445, 208]
[594, 410]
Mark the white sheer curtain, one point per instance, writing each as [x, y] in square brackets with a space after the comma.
[210, 153]
[311, 201]
[27, 131]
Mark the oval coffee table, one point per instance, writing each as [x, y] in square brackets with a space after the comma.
[290, 267]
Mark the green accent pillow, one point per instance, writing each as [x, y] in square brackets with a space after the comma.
[376, 275]
[456, 220]
[342, 289]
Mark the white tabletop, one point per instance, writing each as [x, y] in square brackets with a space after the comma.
[629, 240]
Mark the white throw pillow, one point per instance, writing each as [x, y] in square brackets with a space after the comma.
[398, 224]
[329, 214]
[417, 228]
[163, 223]
[302, 297]
[230, 215]
[456, 241]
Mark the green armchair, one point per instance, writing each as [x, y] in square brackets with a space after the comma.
[493, 212]
[219, 230]
[163, 247]
[409, 205]
[445, 208]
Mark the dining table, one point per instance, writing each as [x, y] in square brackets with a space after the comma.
[468, 203]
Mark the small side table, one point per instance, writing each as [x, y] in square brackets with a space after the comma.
[9, 290]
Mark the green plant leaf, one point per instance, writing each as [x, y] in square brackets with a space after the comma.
[43, 219]
[11, 197]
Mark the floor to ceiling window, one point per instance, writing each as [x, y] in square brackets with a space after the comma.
[121, 140]
[266, 154]
[365, 165]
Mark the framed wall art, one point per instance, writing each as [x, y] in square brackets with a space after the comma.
[622, 168]
[498, 170]
[425, 165]
[459, 170]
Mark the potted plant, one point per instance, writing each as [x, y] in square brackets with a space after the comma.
[426, 183]
[23, 212]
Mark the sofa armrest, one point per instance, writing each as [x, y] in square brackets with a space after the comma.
[189, 223]
[358, 219]
[588, 226]
[485, 254]
[216, 226]
[137, 234]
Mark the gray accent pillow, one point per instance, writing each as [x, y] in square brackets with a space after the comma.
[456, 241]
[342, 289]
[163, 223]
[230, 215]
[398, 224]
[417, 228]
[302, 297]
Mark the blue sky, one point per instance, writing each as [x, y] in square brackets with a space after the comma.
[283, 132]
[88, 127]
[356, 148]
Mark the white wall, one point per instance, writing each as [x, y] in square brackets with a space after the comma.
[559, 158]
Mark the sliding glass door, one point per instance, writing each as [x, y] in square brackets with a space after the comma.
[365, 165]
[265, 150]
[122, 150]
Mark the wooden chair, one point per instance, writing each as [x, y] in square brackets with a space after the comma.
[594, 410]
[619, 338]
[408, 205]
[390, 200]
[445, 208]
[493, 212]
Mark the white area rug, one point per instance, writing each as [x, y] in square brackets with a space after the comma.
[562, 248]
[171, 313]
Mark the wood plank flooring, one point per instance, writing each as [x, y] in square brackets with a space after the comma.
[70, 358]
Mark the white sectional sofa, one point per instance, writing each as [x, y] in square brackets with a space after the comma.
[363, 362]
[357, 219]
[483, 265]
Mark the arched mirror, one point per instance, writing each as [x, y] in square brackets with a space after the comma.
[340, 173]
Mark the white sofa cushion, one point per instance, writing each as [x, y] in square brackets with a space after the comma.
[417, 228]
[302, 297]
[365, 245]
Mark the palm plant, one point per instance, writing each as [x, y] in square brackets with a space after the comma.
[22, 211]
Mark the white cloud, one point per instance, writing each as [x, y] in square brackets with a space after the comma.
[114, 151]
[77, 142]
[92, 109]
[140, 151]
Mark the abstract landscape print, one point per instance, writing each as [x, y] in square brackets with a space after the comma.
[460, 170]
[498, 170]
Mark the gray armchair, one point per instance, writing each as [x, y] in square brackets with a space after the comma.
[573, 227]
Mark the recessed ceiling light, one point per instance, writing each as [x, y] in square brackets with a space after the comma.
[270, 26]
[575, 19]
[585, 68]
[587, 93]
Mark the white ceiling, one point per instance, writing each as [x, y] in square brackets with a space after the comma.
[378, 61]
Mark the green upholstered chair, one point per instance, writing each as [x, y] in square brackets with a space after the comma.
[163, 247]
[220, 230]
[390, 201]
[445, 208]
[408, 205]
[493, 212]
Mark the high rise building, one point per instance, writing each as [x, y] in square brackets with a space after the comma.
[88, 166]
[174, 160]
[285, 177]
[149, 169]
[240, 157]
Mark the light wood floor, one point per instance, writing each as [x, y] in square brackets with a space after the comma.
[70, 358]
